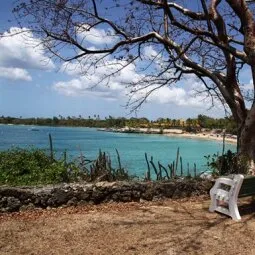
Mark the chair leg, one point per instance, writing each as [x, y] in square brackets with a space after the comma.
[234, 212]
[213, 204]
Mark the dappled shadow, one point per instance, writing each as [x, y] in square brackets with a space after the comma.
[173, 227]
[247, 207]
[181, 228]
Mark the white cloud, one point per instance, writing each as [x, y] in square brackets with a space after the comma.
[167, 95]
[14, 74]
[96, 82]
[21, 52]
[178, 96]
[114, 89]
[87, 82]
[84, 86]
[97, 36]
[150, 52]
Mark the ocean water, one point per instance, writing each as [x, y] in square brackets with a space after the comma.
[131, 147]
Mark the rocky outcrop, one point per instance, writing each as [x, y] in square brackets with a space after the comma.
[27, 198]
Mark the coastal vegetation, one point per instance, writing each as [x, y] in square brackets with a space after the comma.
[227, 163]
[31, 166]
[211, 42]
[34, 166]
[190, 124]
[19, 166]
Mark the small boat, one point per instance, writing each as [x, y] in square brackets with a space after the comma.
[33, 129]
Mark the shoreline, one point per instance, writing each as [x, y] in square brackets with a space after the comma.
[166, 132]
[202, 136]
[174, 133]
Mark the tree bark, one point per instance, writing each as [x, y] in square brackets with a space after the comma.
[246, 139]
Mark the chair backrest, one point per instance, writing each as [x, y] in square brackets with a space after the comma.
[248, 187]
[236, 185]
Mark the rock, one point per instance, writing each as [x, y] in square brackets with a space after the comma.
[148, 194]
[82, 195]
[116, 196]
[206, 175]
[50, 196]
[126, 196]
[59, 197]
[156, 198]
[27, 201]
[41, 200]
[98, 196]
[142, 200]
[13, 204]
[167, 189]
[14, 192]
[28, 207]
[3, 202]
[82, 202]
[136, 195]
[105, 184]
[72, 202]
[180, 194]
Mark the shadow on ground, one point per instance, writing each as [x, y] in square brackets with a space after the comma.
[169, 227]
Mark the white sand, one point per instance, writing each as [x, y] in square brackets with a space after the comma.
[205, 136]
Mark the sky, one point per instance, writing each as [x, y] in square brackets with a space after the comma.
[32, 85]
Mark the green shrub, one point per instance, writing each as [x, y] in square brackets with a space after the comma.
[26, 167]
[228, 163]
[33, 166]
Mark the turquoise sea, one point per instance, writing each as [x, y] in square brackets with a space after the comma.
[131, 147]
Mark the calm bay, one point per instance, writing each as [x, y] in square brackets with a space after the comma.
[131, 147]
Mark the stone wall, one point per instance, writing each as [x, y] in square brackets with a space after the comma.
[24, 198]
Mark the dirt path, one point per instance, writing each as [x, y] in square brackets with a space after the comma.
[169, 227]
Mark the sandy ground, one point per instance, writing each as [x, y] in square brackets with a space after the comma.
[168, 227]
[204, 136]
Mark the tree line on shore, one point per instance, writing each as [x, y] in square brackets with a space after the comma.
[190, 124]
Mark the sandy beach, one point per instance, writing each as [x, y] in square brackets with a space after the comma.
[176, 132]
[204, 136]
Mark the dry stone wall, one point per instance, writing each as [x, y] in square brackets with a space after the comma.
[25, 198]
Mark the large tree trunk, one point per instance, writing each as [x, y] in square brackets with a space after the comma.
[246, 138]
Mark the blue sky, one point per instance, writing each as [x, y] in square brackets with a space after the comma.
[29, 87]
